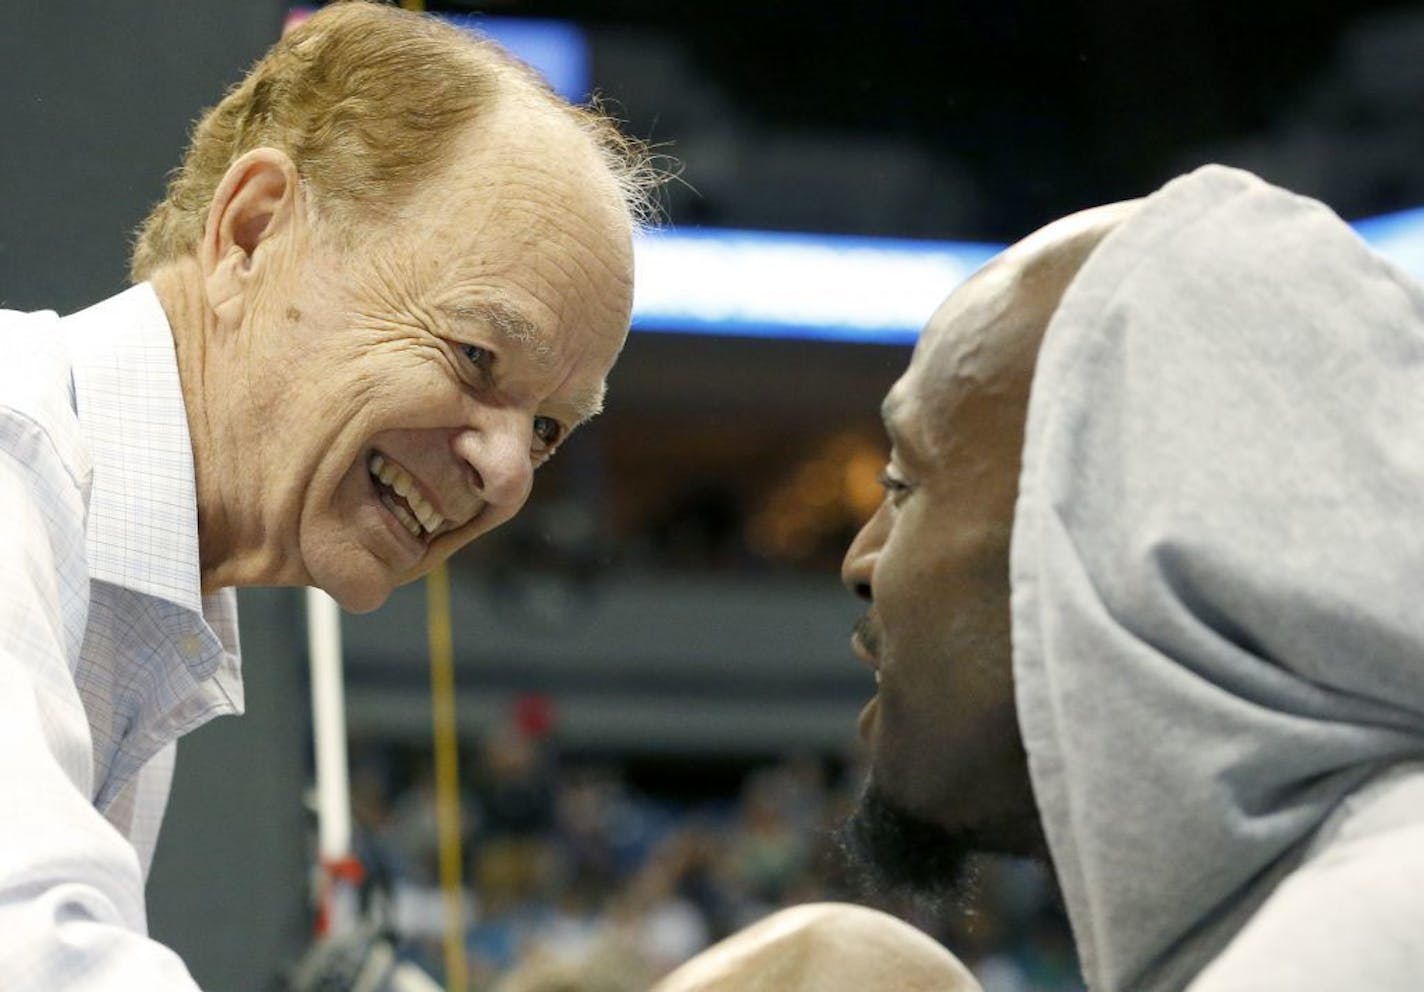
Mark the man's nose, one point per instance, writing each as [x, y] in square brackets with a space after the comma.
[859, 565]
[497, 452]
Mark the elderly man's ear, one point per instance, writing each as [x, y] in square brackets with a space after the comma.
[824, 947]
[258, 200]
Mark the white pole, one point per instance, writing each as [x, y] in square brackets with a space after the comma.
[333, 796]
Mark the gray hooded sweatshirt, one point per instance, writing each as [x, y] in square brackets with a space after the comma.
[1218, 599]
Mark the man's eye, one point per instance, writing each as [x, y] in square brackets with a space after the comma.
[547, 432]
[895, 487]
[478, 356]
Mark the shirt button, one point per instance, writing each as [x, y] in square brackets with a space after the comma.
[190, 646]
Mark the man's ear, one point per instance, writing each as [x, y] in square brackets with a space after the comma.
[258, 198]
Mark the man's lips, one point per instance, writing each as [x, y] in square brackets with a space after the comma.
[397, 527]
[866, 722]
[865, 642]
[413, 502]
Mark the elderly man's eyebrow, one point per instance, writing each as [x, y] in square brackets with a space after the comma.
[512, 326]
[517, 330]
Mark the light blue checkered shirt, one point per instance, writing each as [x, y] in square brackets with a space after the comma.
[108, 650]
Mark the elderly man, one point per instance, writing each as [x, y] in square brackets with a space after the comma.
[386, 284]
[1170, 451]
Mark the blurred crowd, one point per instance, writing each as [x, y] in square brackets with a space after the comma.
[576, 881]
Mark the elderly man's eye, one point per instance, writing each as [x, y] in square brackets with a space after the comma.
[478, 356]
[547, 432]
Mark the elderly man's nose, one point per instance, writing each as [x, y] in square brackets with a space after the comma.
[497, 453]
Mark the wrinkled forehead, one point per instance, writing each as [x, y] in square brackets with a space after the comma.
[525, 161]
[529, 209]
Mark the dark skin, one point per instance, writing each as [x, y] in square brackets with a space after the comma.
[948, 773]
[933, 561]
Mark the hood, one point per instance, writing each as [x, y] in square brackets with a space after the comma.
[1217, 564]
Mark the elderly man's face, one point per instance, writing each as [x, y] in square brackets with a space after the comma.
[412, 385]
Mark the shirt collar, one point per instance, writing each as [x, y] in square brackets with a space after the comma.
[143, 510]
[142, 530]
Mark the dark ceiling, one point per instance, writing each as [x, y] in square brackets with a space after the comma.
[1041, 108]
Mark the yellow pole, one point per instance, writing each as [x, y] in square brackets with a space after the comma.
[447, 754]
[447, 773]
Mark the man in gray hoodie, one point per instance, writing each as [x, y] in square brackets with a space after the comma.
[1143, 593]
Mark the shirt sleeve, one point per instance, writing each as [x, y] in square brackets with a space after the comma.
[71, 887]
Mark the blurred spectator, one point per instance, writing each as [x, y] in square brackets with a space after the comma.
[514, 802]
[768, 852]
[581, 884]
[665, 925]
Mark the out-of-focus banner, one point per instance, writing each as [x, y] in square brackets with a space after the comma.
[557, 50]
[765, 284]
[832, 288]
[1399, 238]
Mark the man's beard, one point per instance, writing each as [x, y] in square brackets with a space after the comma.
[889, 856]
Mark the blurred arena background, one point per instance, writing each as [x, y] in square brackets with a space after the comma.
[656, 701]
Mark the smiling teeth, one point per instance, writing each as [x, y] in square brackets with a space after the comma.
[403, 515]
[421, 518]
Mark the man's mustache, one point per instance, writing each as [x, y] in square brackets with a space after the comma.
[867, 632]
